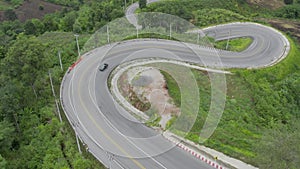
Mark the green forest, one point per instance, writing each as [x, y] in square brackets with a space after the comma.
[260, 124]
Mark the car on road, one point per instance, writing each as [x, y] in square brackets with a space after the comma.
[103, 67]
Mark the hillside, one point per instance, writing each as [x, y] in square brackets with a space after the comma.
[260, 124]
[30, 9]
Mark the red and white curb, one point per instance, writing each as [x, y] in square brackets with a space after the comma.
[197, 155]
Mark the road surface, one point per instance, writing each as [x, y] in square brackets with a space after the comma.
[112, 134]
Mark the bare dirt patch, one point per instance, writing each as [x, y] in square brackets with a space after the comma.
[141, 103]
[33, 9]
[270, 4]
[149, 87]
[287, 26]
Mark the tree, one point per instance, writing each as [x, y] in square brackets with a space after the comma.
[279, 147]
[2, 162]
[26, 59]
[10, 102]
[6, 137]
[84, 21]
[10, 15]
[41, 7]
[81, 163]
[142, 3]
[39, 26]
[11, 28]
[289, 11]
[66, 23]
[29, 28]
[77, 27]
[288, 2]
[50, 22]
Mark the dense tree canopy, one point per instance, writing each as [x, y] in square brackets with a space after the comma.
[279, 147]
[142, 3]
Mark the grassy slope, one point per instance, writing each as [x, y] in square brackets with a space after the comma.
[173, 88]
[150, 35]
[237, 45]
[59, 40]
[240, 126]
[6, 5]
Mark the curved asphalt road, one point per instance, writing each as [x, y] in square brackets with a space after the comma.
[115, 137]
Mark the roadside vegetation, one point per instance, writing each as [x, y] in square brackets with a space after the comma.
[261, 119]
[10, 4]
[31, 135]
[237, 44]
[150, 35]
[172, 87]
[261, 106]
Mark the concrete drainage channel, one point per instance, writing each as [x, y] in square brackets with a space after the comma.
[213, 158]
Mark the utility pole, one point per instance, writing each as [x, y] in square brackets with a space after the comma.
[96, 40]
[34, 91]
[77, 141]
[170, 30]
[76, 36]
[59, 57]
[228, 40]
[56, 102]
[125, 4]
[198, 37]
[137, 32]
[107, 31]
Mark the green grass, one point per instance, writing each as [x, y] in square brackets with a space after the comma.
[65, 42]
[245, 117]
[154, 121]
[233, 136]
[12, 5]
[4, 6]
[289, 65]
[237, 44]
[172, 87]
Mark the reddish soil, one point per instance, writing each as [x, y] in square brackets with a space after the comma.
[33, 9]
[127, 91]
[287, 26]
[2, 16]
[145, 88]
[270, 4]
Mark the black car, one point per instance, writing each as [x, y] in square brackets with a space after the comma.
[103, 67]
